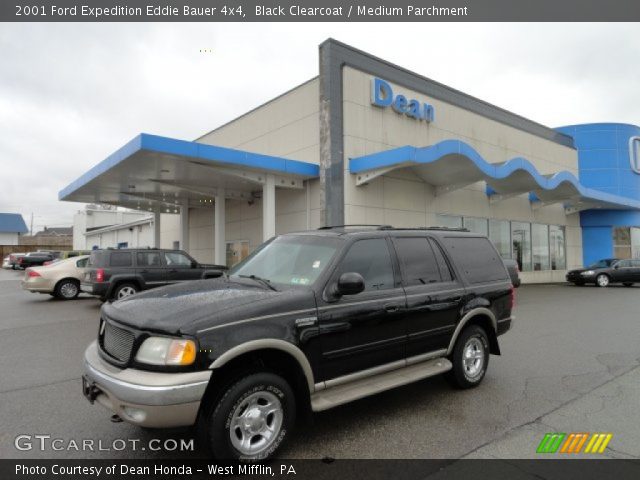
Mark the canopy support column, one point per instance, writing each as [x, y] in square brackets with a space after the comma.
[156, 229]
[219, 235]
[269, 208]
[184, 225]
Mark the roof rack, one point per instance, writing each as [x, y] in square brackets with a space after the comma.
[358, 225]
[443, 229]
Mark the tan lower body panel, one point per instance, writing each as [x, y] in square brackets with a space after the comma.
[345, 393]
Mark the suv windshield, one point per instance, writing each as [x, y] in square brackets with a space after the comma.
[289, 260]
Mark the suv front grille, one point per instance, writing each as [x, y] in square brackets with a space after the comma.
[117, 342]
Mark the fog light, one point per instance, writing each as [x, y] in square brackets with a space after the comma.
[135, 414]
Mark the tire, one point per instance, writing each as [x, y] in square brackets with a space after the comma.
[603, 280]
[473, 338]
[627, 284]
[238, 429]
[67, 289]
[125, 290]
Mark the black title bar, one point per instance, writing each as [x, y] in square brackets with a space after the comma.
[318, 11]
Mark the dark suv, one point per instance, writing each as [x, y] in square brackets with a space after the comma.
[115, 274]
[308, 321]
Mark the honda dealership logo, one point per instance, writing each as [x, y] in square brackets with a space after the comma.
[382, 96]
[634, 154]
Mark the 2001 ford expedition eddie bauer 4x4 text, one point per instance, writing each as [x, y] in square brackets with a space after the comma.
[309, 320]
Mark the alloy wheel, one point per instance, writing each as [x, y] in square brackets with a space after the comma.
[256, 423]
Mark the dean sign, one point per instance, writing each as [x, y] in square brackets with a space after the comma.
[382, 96]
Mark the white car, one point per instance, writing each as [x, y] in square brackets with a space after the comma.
[60, 279]
[5, 263]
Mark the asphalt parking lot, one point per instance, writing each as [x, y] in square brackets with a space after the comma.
[568, 345]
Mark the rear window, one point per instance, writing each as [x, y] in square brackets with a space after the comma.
[99, 259]
[477, 258]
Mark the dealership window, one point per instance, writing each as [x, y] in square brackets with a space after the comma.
[500, 235]
[450, 221]
[622, 242]
[476, 225]
[521, 241]
[540, 246]
[557, 248]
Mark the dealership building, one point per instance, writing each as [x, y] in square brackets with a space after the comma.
[368, 142]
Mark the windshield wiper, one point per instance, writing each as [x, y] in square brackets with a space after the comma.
[263, 281]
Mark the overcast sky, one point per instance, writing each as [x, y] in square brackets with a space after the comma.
[71, 94]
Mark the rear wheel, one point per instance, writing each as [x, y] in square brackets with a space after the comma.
[602, 280]
[470, 358]
[125, 290]
[628, 284]
[67, 289]
[252, 418]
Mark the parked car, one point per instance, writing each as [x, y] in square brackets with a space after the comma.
[309, 320]
[514, 271]
[5, 262]
[115, 274]
[34, 259]
[13, 260]
[607, 271]
[61, 279]
[73, 253]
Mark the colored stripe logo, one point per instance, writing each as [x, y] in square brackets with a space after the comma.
[574, 442]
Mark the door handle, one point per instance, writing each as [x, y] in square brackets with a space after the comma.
[391, 308]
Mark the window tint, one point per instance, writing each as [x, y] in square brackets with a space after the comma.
[177, 259]
[445, 272]
[418, 260]
[624, 263]
[121, 259]
[477, 258]
[82, 263]
[148, 259]
[371, 259]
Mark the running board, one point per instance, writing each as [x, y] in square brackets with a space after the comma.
[345, 393]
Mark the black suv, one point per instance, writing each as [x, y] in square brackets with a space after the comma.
[115, 274]
[308, 321]
[606, 271]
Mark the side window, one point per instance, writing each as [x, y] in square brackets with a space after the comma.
[82, 263]
[635, 263]
[419, 264]
[177, 259]
[624, 263]
[148, 259]
[371, 259]
[121, 259]
[445, 271]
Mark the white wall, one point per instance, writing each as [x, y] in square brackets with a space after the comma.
[287, 126]
[91, 218]
[8, 238]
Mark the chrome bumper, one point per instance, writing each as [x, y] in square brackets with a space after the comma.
[150, 399]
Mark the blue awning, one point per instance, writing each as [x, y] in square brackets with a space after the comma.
[152, 171]
[455, 163]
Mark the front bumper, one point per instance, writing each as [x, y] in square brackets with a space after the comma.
[148, 399]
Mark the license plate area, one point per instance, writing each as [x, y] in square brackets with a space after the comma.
[89, 389]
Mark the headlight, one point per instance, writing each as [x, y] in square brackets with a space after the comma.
[167, 351]
[588, 272]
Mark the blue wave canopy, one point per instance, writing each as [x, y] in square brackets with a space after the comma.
[453, 162]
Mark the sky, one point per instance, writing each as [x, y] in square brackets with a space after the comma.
[71, 94]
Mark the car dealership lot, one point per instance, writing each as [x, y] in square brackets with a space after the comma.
[565, 343]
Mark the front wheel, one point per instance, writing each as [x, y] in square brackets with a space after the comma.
[602, 280]
[470, 358]
[252, 418]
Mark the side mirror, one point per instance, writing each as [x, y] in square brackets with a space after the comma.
[194, 264]
[350, 283]
[212, 274]
[616, 266]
